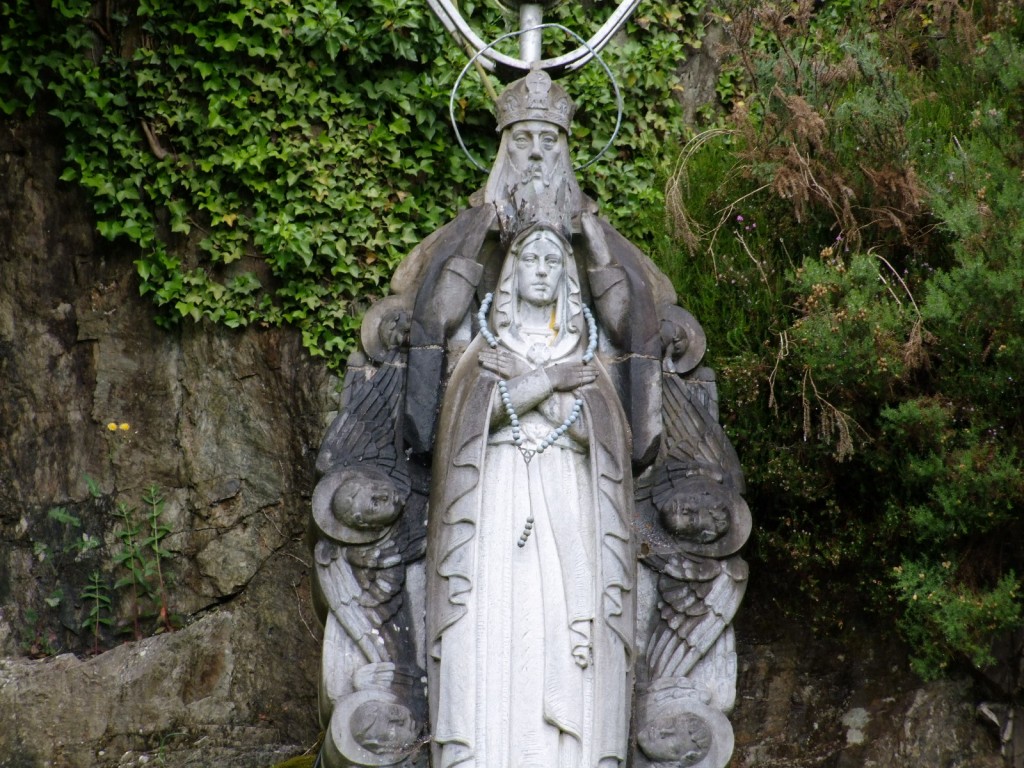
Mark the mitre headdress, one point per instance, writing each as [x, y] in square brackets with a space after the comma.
[535, 97]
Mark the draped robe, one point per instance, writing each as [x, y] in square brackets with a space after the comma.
[502, 621]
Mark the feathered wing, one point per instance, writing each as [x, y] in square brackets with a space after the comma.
[362, 586]
[368, 431]
[344, 596]
[698, 599]
[379, 570]
[696, 443]
[367, 428]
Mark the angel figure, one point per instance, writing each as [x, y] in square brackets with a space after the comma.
[367, 524]
[693, 521]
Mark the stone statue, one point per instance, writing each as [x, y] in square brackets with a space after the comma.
[444, 278]
[367, 526]
[530, 556]
[527, 449]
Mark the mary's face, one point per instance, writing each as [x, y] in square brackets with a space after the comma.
[539, 271]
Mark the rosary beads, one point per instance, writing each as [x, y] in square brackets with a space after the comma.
[506, 398]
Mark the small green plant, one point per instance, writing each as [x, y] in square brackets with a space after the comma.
[62, 516]
[78, 544]
[93, 486]
[152, 544]
[116, 596]
[96, 596]
[55, 597]
[140, 559]
[60, 544]
[130, 559]
[37, 640]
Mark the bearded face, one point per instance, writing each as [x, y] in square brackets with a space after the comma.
[532, 178]
[534, 151]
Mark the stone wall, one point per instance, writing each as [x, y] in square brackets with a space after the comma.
[226, 424]
[845, 700]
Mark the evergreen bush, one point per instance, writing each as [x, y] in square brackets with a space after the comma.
[272, 162]
[872, 389]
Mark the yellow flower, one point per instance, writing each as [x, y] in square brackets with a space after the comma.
[124, 426]
[112, 427]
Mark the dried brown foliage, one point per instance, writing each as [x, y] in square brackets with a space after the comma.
[796, 135]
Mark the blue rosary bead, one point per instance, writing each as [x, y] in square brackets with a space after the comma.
[481, 317]
[506, 397]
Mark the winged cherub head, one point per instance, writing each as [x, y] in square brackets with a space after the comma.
[676, 739]
[366, 499]
[696, 515]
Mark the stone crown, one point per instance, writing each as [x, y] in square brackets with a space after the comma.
[535, 97]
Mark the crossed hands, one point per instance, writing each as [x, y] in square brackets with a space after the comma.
[563, 376]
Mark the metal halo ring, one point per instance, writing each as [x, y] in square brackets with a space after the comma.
[517, 33]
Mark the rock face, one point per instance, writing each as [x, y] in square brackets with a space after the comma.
[226, 425]
[847, 701]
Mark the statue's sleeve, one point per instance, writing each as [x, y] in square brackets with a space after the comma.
[443, 296]
[610, 291]
[454, 292]
[526, 392]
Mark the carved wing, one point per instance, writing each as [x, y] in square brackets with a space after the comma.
[696, 443]
[344, 596]
[367, 429]
[698, 599]
[379, 570]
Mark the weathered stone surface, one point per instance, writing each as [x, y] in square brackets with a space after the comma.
[845, 701]
[228, 684]
[224, 424]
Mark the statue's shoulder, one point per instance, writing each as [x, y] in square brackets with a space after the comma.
[441, 244]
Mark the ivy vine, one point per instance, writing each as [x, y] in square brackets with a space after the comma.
[272, 162]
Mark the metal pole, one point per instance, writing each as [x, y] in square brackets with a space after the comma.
[530, 15]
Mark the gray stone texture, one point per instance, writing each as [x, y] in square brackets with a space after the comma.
[227, 425]
[844, 699]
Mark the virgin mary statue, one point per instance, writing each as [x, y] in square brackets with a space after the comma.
[530, 561]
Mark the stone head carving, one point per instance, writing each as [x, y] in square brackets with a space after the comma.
[678, 728]
[385, 327]
[383, 727]
[365, 500]
[683, 341]
[357, 504]
[539, 272]
[698, 517]
[703, 516]
[534, 152]
[540, 262]
[370, 729]
[532, 175]
[676, 739]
